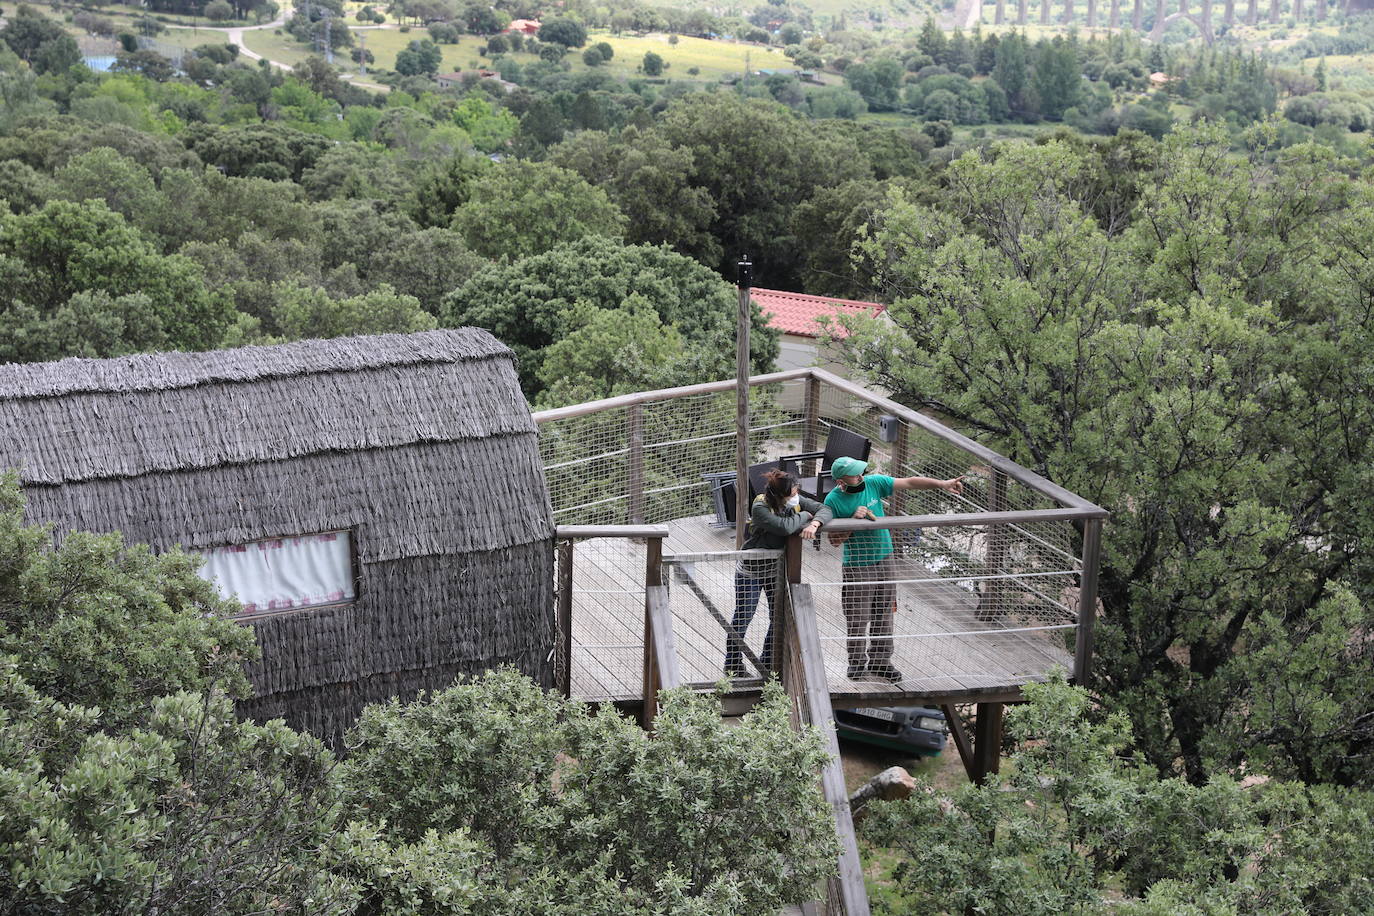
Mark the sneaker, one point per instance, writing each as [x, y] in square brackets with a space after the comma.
[886, 672]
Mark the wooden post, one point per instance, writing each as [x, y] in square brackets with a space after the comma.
[811, 428]
[1087, 600]
[849, 884]
[565, 581]
[634, 421]
[987, 742]
[900, 455]
[789, 571]
[746, 279]
[653, 576]
[993, 589]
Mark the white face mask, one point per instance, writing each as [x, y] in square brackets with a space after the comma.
[793, 501]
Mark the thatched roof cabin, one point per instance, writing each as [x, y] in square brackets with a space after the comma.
[407, 464]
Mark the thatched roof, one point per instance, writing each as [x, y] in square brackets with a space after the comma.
[421, 444]
[84, 433]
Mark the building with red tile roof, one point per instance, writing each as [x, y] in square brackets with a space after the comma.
[801, 319]
[801, 315]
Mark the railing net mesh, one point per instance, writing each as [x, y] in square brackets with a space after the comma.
[974, 605]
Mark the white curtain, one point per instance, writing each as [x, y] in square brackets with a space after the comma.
[284, 573]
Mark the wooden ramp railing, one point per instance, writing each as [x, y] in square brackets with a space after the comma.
[806, 683]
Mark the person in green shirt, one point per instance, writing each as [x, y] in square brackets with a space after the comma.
[869, 592]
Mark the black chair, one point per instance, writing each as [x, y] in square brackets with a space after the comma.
[724, 483]
[839, 443]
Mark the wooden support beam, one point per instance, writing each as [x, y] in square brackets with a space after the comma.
[816, 710]
[565, 587]
[653, 555]
[991, 592]
[1087, 601]
[662, 394]
[961, 740]
[987, 742]
[966, 519]
[811, 429]
[634, 423]
[584, 532]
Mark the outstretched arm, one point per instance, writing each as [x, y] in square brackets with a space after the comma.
[954, 485]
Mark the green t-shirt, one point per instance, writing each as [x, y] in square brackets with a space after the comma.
[864, 548]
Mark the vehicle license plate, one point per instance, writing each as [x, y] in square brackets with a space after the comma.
[887, 714]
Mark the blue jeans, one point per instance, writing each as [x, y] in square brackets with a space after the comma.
[747, 590]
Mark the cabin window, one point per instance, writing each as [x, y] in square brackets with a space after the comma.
[282, 574]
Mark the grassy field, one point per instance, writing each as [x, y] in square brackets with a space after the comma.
[282, 48]
[190, 38]
[1354, 72]
[712, 59]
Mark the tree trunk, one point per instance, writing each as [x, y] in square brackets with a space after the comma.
[1068, 12]
[1229, 17]
[1092, 14]
[1183, 7]
[1321, 10]
[1207, 34]
[1161, 10]
[1274, 12]
[1001, 12]
[1136, 18]
[1045, 12]
[1021, 11]
[1114, 17]
[1297, 10]
[1252, 13]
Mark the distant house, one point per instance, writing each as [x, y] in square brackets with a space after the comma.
[458, 78]
[800, 318]
[377, 504]
[523, 26]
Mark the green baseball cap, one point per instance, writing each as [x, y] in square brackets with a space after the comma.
[847, 467]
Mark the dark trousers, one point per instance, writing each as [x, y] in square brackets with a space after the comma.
[748, 587]
[867, 597]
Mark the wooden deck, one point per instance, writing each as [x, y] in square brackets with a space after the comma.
[946, 653]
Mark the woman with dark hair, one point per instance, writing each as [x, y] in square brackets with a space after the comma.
[776, 514]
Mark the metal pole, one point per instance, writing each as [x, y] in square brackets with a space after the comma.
[746, 280]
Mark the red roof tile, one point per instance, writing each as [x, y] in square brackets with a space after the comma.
[797, 313]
